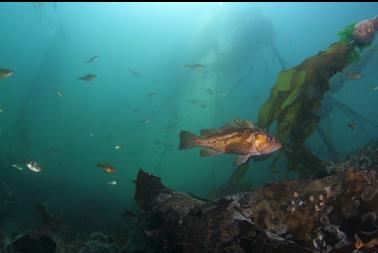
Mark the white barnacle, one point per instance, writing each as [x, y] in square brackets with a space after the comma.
[238, 216]
[327, 209]
[274, 236]
[324, 219]
[163, 197]
[327, 189]
[247, 212]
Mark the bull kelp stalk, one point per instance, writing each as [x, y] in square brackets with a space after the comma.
[298, 93]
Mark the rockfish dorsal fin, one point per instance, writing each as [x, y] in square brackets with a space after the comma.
[209, 132]
[237, 124]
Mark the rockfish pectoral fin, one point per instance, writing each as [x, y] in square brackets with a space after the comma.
[187, 140]
[242, 148]
[209, 152]
[241, 159]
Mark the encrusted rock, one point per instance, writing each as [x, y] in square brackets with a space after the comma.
[233, 224]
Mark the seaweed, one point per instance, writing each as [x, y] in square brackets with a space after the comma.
[353, 56]
[297, 96]
[346, 35]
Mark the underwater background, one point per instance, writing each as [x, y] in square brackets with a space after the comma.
[130, 116]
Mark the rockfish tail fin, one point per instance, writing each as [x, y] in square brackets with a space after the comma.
[188, 140]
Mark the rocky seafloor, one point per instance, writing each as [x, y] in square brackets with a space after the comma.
[337, 213]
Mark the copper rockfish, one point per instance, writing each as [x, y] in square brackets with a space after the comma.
[239, 137]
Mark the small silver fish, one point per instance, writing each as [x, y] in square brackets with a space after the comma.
[145, 121]
[34, 166]
[113, 182]
[18, 167]
[4, 73]
[353, 75]
[117, 146]
[210, 91]
[134, 72]
[197, 67]
[92, 59]
[59, 93]
[373, 88]
[193, 101]
[153, 94]
[88, 77]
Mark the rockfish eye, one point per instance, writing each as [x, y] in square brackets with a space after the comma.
[270, 138]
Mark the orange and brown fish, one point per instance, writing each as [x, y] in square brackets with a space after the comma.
[196, 67]
[351, 125]
[107, 168]
[88, 77]
[353, 75]
[239, 137]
